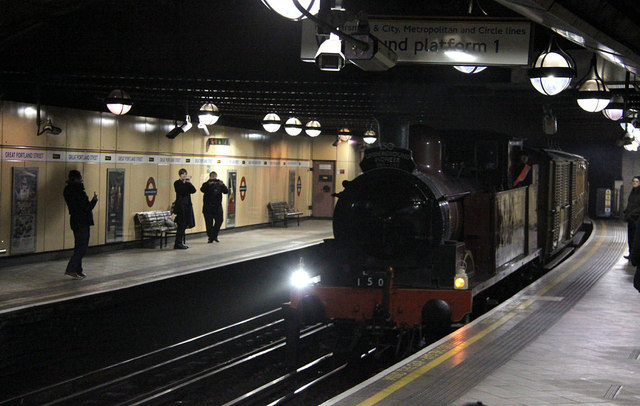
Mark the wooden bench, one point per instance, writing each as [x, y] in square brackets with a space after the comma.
[155, 224]
[280, 211]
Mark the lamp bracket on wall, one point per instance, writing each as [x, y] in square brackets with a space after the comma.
[48, 127]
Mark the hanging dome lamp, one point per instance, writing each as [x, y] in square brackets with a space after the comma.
[593, 95]
[271, 122]
[208, 114]
[293, 126]
[552, 71]
[312, 128]
[344, 134]
[119, 102]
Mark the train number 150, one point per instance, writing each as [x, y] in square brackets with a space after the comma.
[370, 282]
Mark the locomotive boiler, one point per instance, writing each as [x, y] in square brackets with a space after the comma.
[423, 230]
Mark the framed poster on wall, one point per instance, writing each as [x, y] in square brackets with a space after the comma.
[24, 210]
[231, 199]
[292, 188]
[115, 204]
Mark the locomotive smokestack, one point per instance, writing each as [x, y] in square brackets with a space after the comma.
[394, 129]
[426, 147]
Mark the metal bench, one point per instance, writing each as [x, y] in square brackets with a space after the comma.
[155, 224]
[280, 211]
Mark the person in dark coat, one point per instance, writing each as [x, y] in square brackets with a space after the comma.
[634, 256]
[81, 218]
[632, 212]
[183, 208]
[213, 190]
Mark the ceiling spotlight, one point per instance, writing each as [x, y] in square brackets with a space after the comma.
[187, 124]
[204, 128]
[271, 122]
[344, 134]
[50, 128]
[615, 108]
[288, 8]
[369, 137]
[293, 126]
[632, 118]
[470, 69]
[552, 71]
[174, 133]
[208, 114]
[593, 95]
[119, 102]
[631, 144]
[312, 128]
[181, 129]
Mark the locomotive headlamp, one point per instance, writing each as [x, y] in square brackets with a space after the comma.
[460, 281]
[301, 279]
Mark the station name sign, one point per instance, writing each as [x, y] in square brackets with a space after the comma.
[446, 42]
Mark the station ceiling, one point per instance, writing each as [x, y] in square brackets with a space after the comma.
[173, 55]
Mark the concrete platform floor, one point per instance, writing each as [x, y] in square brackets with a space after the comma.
[590, 357]
[39, 283]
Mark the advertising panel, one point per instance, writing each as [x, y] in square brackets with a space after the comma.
[24, 210]
[231, 200]
[115, 204]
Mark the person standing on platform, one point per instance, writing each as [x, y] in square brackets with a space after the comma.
[632, 212]
[212, 205]
[81, 219]
[634, 255]
[183, 209]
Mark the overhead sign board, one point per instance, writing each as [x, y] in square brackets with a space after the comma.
[447, 42]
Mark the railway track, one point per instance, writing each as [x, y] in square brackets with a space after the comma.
[212, 361]
[247, 363]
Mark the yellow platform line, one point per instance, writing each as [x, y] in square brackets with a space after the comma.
[389, 390]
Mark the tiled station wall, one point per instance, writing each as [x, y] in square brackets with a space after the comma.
[93, 142]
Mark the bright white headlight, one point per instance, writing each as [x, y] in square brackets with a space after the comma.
[300, 279]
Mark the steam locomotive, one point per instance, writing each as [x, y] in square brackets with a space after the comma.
[425, 229]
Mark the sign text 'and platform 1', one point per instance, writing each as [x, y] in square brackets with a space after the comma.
[459, 42]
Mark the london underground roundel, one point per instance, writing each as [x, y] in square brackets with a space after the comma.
[243, 188]
[150, 191]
